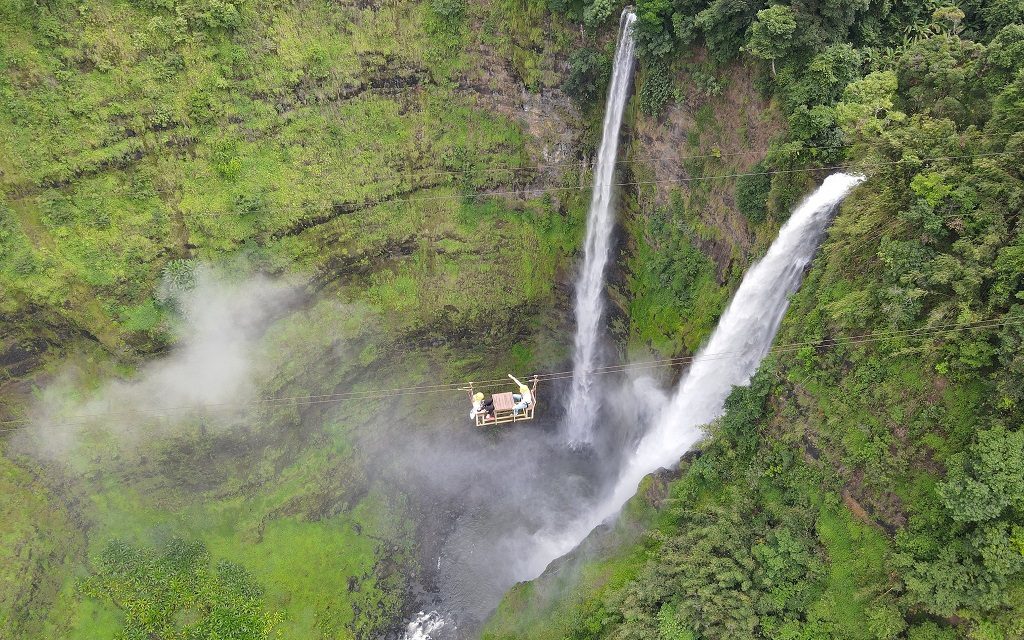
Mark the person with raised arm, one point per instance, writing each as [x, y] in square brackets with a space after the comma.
[523, 399]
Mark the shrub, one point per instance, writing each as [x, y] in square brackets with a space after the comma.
[656, 89]
[173, 592]
[597, 12]
[451, 10]
[589, 70]
[752, 193]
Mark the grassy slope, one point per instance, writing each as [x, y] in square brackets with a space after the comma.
[133, 141]
[136, 138]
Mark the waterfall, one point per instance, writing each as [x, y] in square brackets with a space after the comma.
[742, 338]
[600, 222]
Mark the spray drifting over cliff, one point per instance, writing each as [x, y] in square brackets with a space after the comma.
[744, 334]
[600, 222]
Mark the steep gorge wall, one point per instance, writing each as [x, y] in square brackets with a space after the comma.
[687, 242]
[310, 142]
[393, 157]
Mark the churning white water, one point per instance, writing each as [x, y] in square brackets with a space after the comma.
[583, 408]
[743, 337]
[423, 625]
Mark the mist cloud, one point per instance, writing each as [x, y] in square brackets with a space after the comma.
[210, 371]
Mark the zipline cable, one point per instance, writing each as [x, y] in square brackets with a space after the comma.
[795, 346]
[379, 394]
[371, 394]
[555, 375]
[854, 340]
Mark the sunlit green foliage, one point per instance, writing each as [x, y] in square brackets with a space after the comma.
[906, 452]
[174, 593]
[346, 146]
[771, 34]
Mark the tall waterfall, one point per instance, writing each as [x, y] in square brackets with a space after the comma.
[743, 337]
[600, 222]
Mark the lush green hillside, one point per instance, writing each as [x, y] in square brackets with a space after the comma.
[349, 148]
[860, 488]
[385, 158]
[138, 134]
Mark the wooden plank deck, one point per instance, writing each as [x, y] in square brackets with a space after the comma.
[503, 401]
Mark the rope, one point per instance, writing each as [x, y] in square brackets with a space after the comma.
[380, 394]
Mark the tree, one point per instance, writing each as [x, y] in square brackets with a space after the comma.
[589, 70]
[885, 621]
[597, 12]
[1004, 56]
[771, 35]
[724, 24]
[981, 485]
[653, 28]
[868, 106]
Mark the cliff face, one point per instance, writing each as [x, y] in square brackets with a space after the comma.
[717, 125]
[687, 241]
[389, 159]
[334, 141]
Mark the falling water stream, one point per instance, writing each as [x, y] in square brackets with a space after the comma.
[583, 407]
[740, 341]
[525, 501]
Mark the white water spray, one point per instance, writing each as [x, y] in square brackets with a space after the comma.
[600, 222]
[423, 625]
[743, 337]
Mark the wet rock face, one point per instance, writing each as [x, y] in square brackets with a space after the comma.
[18, 357]
[551, 121]
[705, 135]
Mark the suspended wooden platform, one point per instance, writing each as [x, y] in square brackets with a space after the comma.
[503, 403]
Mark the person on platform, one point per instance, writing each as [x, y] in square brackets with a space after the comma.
[523, 399]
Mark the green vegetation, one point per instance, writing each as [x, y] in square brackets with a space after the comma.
[382, 156]
[752, 193]
[748, 543]
[348, 148]
[676, 298]
[175, 594]
[137, 134]
[857, 489]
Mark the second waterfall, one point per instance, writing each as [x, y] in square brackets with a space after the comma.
[582, 409]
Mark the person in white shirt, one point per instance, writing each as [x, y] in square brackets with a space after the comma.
[478, 401]
[523, 399]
